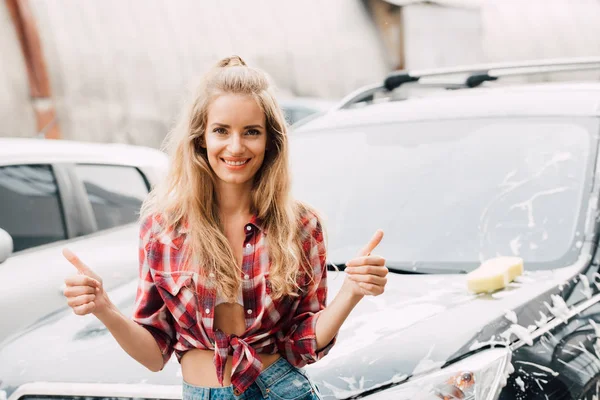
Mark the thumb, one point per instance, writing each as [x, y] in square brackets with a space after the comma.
[374, 242]
[77, 263]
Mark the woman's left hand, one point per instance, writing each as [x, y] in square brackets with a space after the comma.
[366, 274]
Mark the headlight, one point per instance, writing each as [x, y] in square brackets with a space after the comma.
[478, 377]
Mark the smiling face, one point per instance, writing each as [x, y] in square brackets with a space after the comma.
[235, 138]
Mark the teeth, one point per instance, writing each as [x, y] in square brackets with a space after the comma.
[235, 163]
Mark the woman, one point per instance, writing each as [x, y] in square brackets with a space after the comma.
[233, 275]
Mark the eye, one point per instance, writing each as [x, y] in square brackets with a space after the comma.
[253, 132]
[220, 131]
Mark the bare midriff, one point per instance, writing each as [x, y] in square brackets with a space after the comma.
[197, 366]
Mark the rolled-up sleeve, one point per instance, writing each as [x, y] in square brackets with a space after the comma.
[150, 310]
[299, 344]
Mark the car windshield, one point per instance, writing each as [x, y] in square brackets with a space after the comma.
[450, 194]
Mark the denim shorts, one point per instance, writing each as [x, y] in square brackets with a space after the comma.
[279, 381]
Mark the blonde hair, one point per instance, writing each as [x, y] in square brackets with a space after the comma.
[187, 195]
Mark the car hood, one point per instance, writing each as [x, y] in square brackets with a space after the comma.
[419, 323]
[34, 279]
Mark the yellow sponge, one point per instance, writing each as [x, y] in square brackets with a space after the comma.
[494, 274]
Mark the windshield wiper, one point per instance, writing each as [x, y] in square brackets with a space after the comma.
[416, 269]
[407, 269]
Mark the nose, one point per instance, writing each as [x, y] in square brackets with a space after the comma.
[236, 144]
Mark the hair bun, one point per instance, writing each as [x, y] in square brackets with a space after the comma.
[233, 61]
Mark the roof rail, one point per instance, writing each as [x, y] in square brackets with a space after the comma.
[477, 74]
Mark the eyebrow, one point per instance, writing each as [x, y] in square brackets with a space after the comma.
[246, 127]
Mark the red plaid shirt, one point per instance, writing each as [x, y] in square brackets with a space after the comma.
[181, 318]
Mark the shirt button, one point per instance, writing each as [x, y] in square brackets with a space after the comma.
[246, 276]
[207, 311]
[249, 312]
[248, 228]
[248, 246]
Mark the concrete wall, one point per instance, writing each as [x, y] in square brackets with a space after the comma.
[119, 69]
[537, 29]
[16, 112]
[441, 36]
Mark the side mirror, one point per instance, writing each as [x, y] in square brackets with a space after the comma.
[6, 245]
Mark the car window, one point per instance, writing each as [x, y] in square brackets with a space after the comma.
[31, 210]
[290, 115]
[294, 114]
[451, 193]
[115, 193]
[300, 113]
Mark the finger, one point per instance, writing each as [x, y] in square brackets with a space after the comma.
[372, 279]
[82, 280]
[77, 263]
[370, 289]
[366, 260]
[84, 309]
[74, 291]
[375, 240]
[367, 270]
[80, 300]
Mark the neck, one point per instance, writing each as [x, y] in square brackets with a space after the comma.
[234, 200]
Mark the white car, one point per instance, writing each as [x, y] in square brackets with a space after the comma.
[56, 194]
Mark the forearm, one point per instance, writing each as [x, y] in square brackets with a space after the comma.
[333, 316]
[137, 341]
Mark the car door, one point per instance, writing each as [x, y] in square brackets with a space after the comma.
[98, 224]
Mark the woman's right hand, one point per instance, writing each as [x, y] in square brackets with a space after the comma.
[84, 291]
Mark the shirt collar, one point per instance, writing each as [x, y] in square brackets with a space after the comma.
[255, 221]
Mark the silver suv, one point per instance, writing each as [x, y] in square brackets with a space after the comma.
[458, 166]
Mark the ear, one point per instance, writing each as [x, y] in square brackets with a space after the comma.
[202, 142]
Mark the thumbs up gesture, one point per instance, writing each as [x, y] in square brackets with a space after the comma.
[366, 274]
[84, 291]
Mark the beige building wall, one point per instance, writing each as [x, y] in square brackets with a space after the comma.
[541, 29]
[437, 35]
[429, 34]
[120, 69]
[16, 112]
